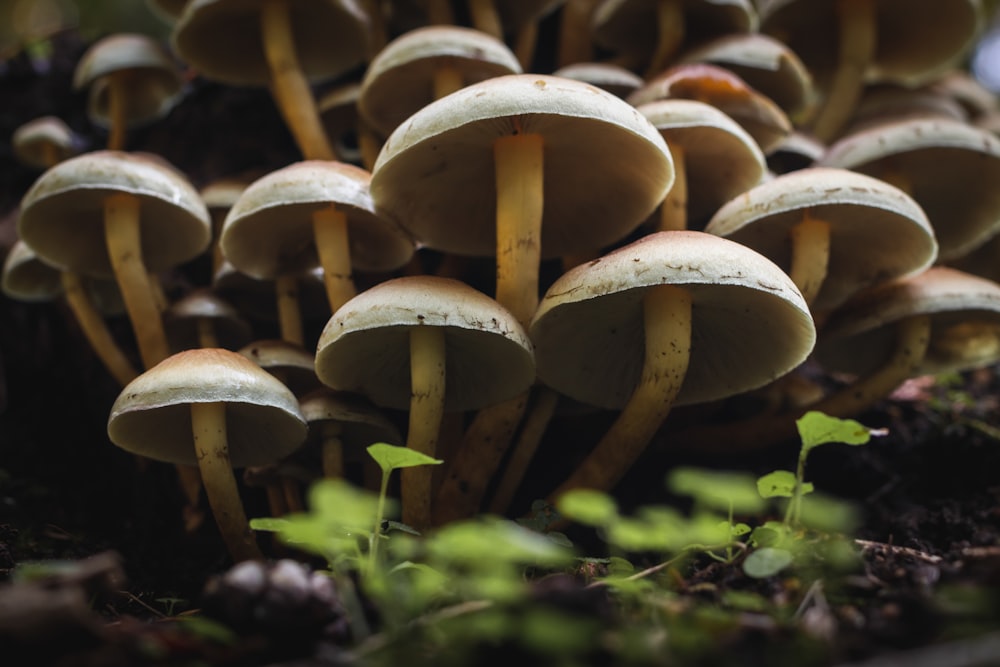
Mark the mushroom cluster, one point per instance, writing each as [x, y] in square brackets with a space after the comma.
[503, 215]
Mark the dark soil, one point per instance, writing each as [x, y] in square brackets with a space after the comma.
[929, 492]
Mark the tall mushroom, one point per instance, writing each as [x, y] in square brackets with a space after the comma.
[673, 318]
[215, 409]
[428, 345]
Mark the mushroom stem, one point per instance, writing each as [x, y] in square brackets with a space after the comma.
[208, 425]
[206, 332]
[331, 450]
[856, 20]
[519, 161]
[810, 240]
[289, 85]
[289, 312]
[95, 330]
[524, 450]
[483, 446]
[427, 387]
[334, 249]
[673, 210]
[439, 12]
[117, 101]
[575, 43]
[525, 43]
[122, 236]
[667, 316]
[377, 33]
[485, 18]
[369, 145]
[447, 79]
[669, 35]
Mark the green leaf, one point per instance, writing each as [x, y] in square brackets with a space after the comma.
[490, 542]
[394, 457]
[718, 490]
[780, 484]
[587, 506]
[816, 428]
[766, 562]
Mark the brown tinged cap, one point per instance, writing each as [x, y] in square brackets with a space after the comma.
[44, 142]
[605, 166]
[365, 347]
[749, 323]
[152, 416]
[62, 214]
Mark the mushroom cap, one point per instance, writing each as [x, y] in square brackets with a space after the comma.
[361, 423]
[630, 25]
[606, 167]
[749, 323]
[877, 231]
[796, 151]
[154, 81]
[257, 297]
[915, 41]
[765, 64]
[965, 323]
[292, 364]
[365, 347]
[180, 320]
[721, 159]
[152, 417]
[268, 232]
[27, 278]
[613, 78]
[33, 140]
[399, 80]
[338, 111]
[222, 39]
[755, 112]
[62, 214]
[949, 168]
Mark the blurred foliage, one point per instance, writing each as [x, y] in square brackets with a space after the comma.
[25, 23]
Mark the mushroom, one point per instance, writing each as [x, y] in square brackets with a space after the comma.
[310, 213]
[674, 318]
[44, 142]
[27, 278]
[424, 65]
[202, 318]
[110, 213]
[613, 78]
[714, 160]
[430, 345]
[846, 43]
[659, 29]
[836, 232]
[948, 167]
[277, 43]
[215, 409]
[292, 364]
[131, 80]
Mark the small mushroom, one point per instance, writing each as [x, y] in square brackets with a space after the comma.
[215, 409]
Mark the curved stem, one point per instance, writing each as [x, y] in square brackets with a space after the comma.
[857, 48]
[519, 185]
[117, 105]
[810, 240]
[667, 315]
[122, 236]
[524, 450]
[669, 35]
[673, 210]
[289, 310]
[208, 425]
[575, 43]
[95, 330]
[334, 250]
[427, 387]
[289, 85]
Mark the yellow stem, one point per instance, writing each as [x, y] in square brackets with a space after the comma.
[667, 315]
[447, 79]
[856, 19]
[525, 43]
[673, 210]
[290, 87]
[117, 107]
[485, 18]
[95, 330]
[331, 449]
[122, 236]
[334, 249]
[289, 310]
[427, 387]
[208, 424]
[519, 185]
[669, 35]
[810, 239]
[206, 332]
[575, 44]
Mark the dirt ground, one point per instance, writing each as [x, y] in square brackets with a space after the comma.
[929, 490]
